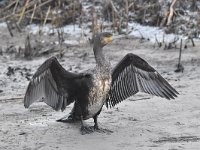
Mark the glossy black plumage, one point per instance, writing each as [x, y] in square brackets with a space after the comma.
[55, 85]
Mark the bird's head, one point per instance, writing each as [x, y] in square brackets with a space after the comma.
[103, 39]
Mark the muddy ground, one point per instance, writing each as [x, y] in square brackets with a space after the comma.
[140, 122]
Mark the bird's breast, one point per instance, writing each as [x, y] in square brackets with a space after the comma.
[98, 94]
[100, 89]
[104, 85]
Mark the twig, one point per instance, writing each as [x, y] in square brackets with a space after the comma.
[144, 15]
[192, 41]
[187, 41]
[16, 4]
[61, 40]
[40, 18]
[131, 4]
[180, 67]
[60, 35]
[11, 4]
[42, 4]
[114, 8]
[23, 11]
[33, 13]
[10, 99]
[175, 40]
[93, 21]
[9, 29]
[163, 41]
[159, 43]
[74, 14]
[179, 60]
[8, 16]
[18, 28]
[171, 13]
[28, 5]
[172, 44]
[48, 11]
[47, 51]
[127, 17]
[142, 37]
[81, 19]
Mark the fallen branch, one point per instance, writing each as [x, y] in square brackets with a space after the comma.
[11, 99]
[47, 51]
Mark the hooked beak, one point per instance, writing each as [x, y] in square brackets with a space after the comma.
[107, 40]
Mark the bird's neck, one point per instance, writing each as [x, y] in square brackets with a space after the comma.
[99, 57]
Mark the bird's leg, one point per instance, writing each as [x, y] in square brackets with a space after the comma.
[72, 116]
[96, 127]
[85, 129]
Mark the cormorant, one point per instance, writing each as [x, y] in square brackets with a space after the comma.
[91, 90]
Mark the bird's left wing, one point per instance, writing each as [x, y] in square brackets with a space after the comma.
[133, 74]
[55, 85]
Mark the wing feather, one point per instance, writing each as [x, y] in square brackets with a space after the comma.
[52, 83]
[133, 74]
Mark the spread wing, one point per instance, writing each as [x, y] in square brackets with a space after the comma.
[52, 83]
[133, 74]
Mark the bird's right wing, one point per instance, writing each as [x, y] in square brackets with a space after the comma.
[52, 83]
[133, 74]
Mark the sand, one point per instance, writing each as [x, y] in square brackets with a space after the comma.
[140, 122]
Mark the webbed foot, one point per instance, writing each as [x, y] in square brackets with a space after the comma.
[86, 130]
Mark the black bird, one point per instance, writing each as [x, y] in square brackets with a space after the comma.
[91, 90]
